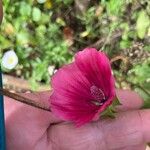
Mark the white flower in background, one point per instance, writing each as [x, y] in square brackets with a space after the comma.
[51, 70]
[41, 1]
[9, 60]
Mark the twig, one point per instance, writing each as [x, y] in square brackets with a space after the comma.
[100, 41]
[123, 58]
[81, 6]
[113, 37]
[23, 99]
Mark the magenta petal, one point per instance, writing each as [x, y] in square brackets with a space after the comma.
[84, 88]
[95, 66]
[71, 96]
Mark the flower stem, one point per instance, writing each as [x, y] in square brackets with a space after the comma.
[23, 99]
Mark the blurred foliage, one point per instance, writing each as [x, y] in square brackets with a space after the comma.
[47, 33]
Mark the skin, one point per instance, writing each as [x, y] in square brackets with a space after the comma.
[35, 129]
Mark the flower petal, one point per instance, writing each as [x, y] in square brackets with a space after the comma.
[95, 66]
[84, 88]
[71, 97]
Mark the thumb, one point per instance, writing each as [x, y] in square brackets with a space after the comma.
[26, 119]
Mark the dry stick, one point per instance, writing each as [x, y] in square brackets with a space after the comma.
[23, 99]
[114, 36]
[100, 41]
[119, 57]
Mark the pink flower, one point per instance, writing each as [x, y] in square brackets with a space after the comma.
[84, 88]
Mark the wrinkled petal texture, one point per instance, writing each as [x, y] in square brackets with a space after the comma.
[71, 97]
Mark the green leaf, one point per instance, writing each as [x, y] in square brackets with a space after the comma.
[45, 18]
[145, 96]
[34, 85]
[5, 43]
[23, 38]
[125, 44]
[114, 7]
[25, 9]
[147, 48]
[140, 73]
[110, 111]
[142, 24]
[116, 102]
[36, 14]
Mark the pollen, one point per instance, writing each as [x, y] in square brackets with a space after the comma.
[98, 95]
[10, 60]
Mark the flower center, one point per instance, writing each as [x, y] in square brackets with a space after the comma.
[98, 96]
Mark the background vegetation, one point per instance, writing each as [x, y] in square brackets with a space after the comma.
[45, 34]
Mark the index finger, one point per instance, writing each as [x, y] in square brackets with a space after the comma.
[129, 99]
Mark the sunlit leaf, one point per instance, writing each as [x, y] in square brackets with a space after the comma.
[36, 14]
[25, 9]
[114, 7]
[142, 24]
[6, 43]
[23, 37]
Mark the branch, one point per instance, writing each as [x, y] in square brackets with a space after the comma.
[81, 6]
[101, 41]
[123, 58]
[23, 99]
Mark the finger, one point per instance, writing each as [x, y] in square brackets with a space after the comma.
[138, 147]
[145, 119]
[129, 100]
[128, 130]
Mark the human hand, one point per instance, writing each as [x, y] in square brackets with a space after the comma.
[34, 129]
